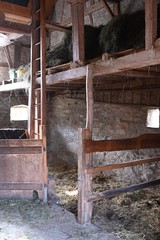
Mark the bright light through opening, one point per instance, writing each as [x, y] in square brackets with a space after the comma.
[153, 118]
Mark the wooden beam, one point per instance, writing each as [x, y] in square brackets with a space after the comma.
[21, 150]
[108, 8]
[151, 23]
[142, 142]
[89, 98]
[15, 9]
[116, 9]
[118, 191]
[14, 86]
[21, 186]
[77, 12]
[122, 165]
[6, 26]
[56, 27]
[17, 19]
[93, 8]
[110, 67]
[132, 61]
[20, 143]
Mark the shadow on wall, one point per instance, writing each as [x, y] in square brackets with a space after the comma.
[60, 152]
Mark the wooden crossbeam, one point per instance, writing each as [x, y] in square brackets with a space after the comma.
[6, 26]
[56, 27]
[142, 142]
[122, 165]
[20, 143]
[21, 186]
[111, 66]
[20, 150]
[118, 191]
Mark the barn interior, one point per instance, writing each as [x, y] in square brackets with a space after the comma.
[80, 102]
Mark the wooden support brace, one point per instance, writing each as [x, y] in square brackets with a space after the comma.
[122, 165]
[118, 191]
[151, 23]
[84, 180]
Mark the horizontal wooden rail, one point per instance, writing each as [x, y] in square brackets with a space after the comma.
[122, 165]
[20, 143]
[141, 142]
[115, 192]
[21, 150]
[21, 186]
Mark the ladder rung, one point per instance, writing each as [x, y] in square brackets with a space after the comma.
[37, 11]
[37, 119]
[38, 43]
[37, 104]
[37, 59]
[37, 134]
[37, 28]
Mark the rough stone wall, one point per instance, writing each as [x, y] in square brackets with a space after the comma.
[7, 100]
[111, 121]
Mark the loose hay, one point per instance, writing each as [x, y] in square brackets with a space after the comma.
[131, 216]
[123, 32]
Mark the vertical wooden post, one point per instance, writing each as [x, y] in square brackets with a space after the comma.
[89, 97]
[85, 160]
[116, 9]
[43, 62]
[42, 131]
[151, 23]
[84, 180]
[77, 12]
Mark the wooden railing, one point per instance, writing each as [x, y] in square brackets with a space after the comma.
[87, 146]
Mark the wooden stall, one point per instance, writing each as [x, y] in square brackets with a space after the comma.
[22, 171]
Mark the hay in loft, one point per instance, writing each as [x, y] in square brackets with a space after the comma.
[123, 32]
[126, 31]
[63, 53]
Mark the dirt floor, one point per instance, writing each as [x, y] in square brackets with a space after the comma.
[131, 216]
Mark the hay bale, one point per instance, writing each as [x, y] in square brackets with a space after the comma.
[123, 32]
[63, 53]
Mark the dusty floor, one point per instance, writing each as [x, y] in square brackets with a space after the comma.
[28, 220]
[131, 216]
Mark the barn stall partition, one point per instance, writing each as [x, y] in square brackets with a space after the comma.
[87, 146]
[21, 163]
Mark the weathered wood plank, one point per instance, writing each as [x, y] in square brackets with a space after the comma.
[77, 12]
[142, 142]
[111, 66]
[151, 23]
[21, 186]
[84, 180]
[6, 26]
[89, 97]
[20, 143]
[21, 150]
[14, 86]
[118, 191]
[122, 165]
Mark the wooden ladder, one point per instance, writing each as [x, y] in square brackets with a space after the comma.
[37, 98]
[38, 68]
